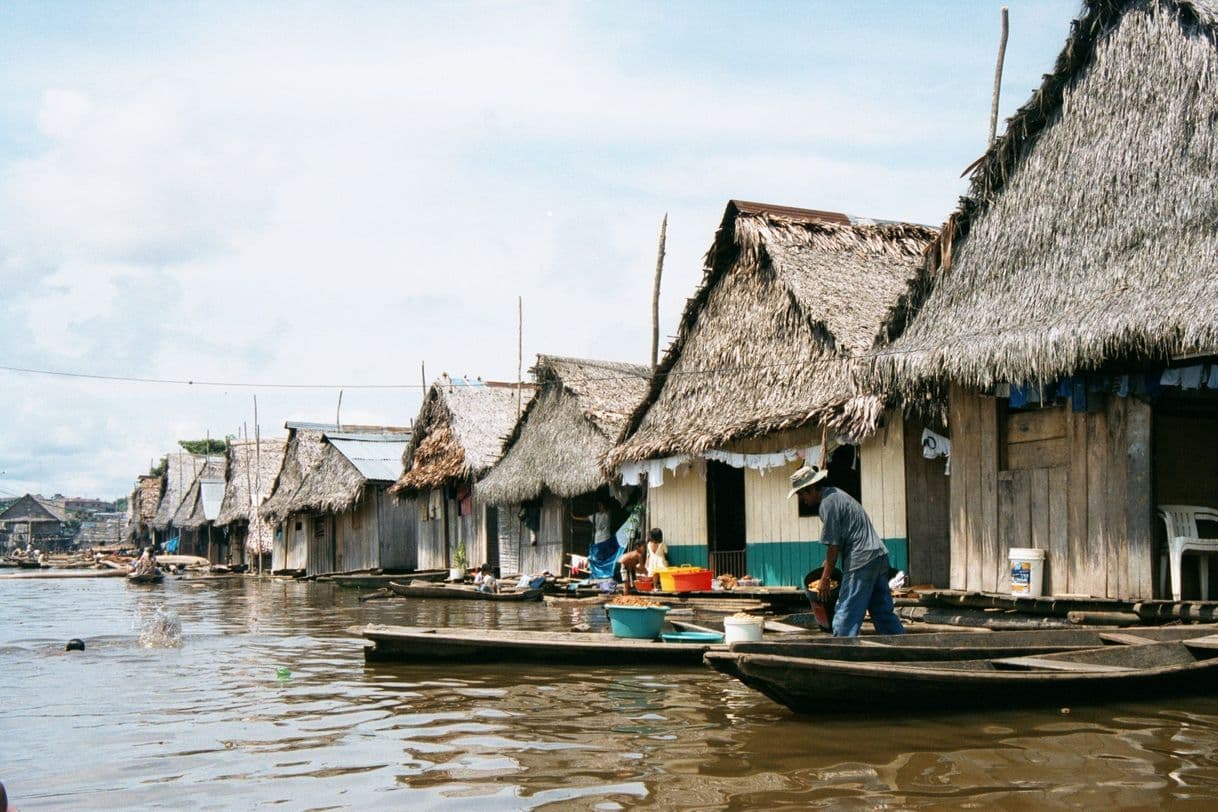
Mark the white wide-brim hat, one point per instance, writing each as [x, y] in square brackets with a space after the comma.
[808, 475]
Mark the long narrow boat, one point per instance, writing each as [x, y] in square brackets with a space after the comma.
[1146, 671]
[426, 589]
[942, 646]
[154, 577]
[370, 581]
[420, 644]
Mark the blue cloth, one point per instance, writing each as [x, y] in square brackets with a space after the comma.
[863, 590]
[171, 546]
[602, 558]
[1078, 395]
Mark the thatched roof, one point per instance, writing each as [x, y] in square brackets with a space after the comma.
[788, 300]
[147, 498]
[459, 433]
[580, 409]
[252, 468]
[316, 476]
[1091, 227]
[180, 471]
[192, 514]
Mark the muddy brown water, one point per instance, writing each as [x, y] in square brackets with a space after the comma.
[213, 725]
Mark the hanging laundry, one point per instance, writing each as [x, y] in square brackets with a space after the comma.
[1078, 395]
[1170, 377]
[1212, 383]
[631, 471]
[935, 445]
[1019, 396]
[1123, 386]
[812, 456]
[1190, 377]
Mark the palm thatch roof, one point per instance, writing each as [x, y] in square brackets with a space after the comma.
[316, 476]
[789, 299]
[181, 469]
[580, 409]
[191, 514]
[252, 467]
[1089, 233]
[459, 433]
[147, 498]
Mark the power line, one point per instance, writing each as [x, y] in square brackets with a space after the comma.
[188, 382]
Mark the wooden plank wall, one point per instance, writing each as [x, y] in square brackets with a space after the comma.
[927, 512]
[768, 514]
[678, 507]
[396, 526]
[1075, 485]
[430, 531]
[882, 460]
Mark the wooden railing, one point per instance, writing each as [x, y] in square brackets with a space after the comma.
[728, 563]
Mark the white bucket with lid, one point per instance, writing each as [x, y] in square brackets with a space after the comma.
[742, 629]
[1027, 571]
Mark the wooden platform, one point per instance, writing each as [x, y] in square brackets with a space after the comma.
[420, 644]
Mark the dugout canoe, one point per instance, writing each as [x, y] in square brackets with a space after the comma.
[1087, 676]
[426, 589]
[943, 646]
[370, 581]
[421, 644]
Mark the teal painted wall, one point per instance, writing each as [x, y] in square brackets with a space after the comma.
[783, 563]
[692, 554]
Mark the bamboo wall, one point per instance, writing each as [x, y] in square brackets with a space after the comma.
[1077, 485]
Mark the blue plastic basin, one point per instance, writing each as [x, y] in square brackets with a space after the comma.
[641, 622]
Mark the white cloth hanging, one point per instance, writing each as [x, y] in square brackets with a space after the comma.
[935, 445]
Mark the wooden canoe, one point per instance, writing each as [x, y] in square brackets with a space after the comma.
[1142, 672]
[426, 589]
[419, 644]
[154, 577]
[370, 581]
[942, 646]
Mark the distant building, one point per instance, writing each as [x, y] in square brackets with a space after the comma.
[34, 521]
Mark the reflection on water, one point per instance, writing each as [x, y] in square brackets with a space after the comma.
[268, 702]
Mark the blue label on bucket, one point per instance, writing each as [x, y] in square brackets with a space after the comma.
[1021, 577]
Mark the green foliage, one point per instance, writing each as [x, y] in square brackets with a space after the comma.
[460, 559]
[205, 446]
[120, 505]
[160, 468]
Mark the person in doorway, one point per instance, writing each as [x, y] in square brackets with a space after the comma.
[657, 551]
[599, 521]
[851, 537]
[631, 562]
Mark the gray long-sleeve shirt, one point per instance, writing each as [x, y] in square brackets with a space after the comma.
[845, 525]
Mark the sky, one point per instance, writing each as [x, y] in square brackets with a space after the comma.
[341, 195]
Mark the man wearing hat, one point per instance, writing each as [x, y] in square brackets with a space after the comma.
[850, 536]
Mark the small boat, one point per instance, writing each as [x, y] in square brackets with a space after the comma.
[154, 577]
[421, 644]
[370, 581]
[1133, 670]
[569, 600]
[426, 589]
[942, 646]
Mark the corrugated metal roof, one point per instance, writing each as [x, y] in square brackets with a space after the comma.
[376, 456]
[211, 492]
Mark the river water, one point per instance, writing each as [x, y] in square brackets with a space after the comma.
[217, 724]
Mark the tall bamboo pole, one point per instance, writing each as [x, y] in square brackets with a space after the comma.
[519, 355]
[655, 297]
[1002, 53]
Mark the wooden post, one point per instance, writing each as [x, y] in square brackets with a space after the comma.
[519, 355]
[1002, 52]
[338, 413]
[655, 297]
[258, 474]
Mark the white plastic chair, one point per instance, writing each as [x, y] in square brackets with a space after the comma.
[1182, 536]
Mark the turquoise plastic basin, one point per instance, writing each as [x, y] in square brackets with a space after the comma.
[641, 622]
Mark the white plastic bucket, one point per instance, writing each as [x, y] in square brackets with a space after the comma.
[1027, 571]
[741, 630]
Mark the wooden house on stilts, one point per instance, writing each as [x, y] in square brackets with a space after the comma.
[759, 379]
[458, 436]
[550, 467]
[1070, 309]
[196, 516]
[252, 467]
[330, 505]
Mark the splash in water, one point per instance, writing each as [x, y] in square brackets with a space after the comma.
[161, 629]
